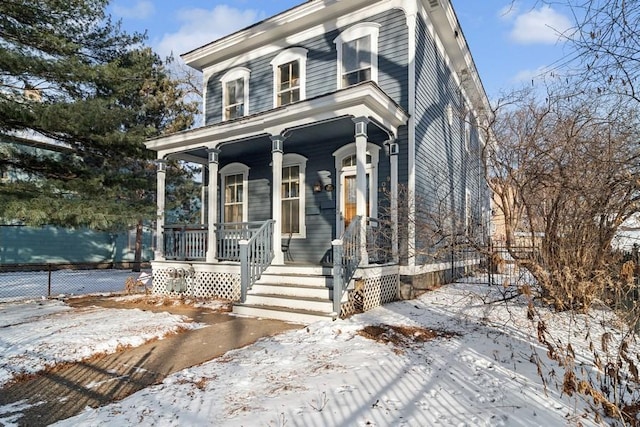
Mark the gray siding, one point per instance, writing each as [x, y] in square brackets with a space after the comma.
[320, 209]
[445, 169]
[322, 68]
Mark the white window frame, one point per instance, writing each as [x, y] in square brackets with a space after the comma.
[293, 159]
[363, 29]
[371, 169]
[235, 169]
[293, 54]
[232, 75]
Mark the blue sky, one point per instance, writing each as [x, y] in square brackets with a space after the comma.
[511, 43]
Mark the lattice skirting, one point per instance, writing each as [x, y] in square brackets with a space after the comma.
[205, 284]
[371, 292]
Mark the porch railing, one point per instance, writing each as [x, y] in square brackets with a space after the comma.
[229, 235]
[185, 242]
[346, 258]
[256, 255]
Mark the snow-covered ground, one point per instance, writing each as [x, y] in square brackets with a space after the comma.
[479, 371]
[32, 284]
[41, 333]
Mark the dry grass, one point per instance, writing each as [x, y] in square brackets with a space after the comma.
[402, 336]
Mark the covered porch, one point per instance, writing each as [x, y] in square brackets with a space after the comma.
[290, 185]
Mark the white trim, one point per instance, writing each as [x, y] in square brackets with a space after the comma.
[339, 155]
[412, 27]
[366, 100]
[289, 55]
[363, 29]
[293, 159]
[231, 75]
[312, 19]
[283, 30]
[235, 169]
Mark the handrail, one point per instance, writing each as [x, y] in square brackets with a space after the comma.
[229, 235]
[346, 259]
[256, 255]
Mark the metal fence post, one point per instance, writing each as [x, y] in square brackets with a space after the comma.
[49, 281]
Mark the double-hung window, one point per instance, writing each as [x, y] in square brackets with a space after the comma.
[291, 199]
[288, 83]
[233, 198]
[357, 48]
[289, 76]
[235, 93]
[293, 195]
[234, 193]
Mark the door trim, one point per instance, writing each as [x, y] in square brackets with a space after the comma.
[371, 169]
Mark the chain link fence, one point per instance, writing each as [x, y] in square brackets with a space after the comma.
[55, 280]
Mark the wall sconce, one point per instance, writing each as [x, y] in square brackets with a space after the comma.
[317, 187]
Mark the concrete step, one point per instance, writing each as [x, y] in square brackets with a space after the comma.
[282, 313]
[300, 269]
[296, 279]
[289, 302]
[320, 292]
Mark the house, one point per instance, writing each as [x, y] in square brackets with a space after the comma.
[25, 247]
[325, 127]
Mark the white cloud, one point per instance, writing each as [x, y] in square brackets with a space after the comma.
[141, 9]
[544, 25]
[201, 26]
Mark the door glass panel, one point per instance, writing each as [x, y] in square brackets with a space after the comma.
[350, 198]
[350, 193]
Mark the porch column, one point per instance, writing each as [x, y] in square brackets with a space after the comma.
[161, 176]
[393, 160]
[277, 144]
[212, 205]
[361, 183]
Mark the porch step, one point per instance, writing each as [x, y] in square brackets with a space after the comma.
[292, 290]
[299, 294]
[290, 301]
[282, 313]
[300, 280]
[297, 269]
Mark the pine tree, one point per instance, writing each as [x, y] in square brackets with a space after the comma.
[69, 73]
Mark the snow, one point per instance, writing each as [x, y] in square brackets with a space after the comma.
[21, 285]
[38, 334]
[480, 371]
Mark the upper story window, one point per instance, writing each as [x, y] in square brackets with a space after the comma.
[357, 48]
[289, 76]
[235, 93]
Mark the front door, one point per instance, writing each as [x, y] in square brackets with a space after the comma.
[346, 194]
[349, 196]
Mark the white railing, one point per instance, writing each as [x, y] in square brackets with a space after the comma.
[185, 242]
[229, 235]
[256, 255]
[346, 259]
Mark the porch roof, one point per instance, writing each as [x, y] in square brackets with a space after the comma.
[362, 100]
